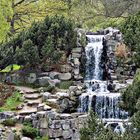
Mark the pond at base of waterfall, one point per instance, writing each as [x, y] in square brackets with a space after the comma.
[98, 96]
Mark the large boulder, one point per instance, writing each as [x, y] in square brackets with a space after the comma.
[65, 76]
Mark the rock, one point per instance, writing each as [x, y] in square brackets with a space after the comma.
[65, 105]
[46, 108]
[67, 134]
[76, 71]
[62, 94]
[76, 55]
[65, 116]
[52, 100]
[33, 102]
[77, 50]
[32, 78]
[25, 138]
[65, 68]
[54, 75]
[43, 80]
[41, 114]
[27, 118]
[43, 132]
[76, 61]
[43, 74]
[43, 123]
[78, 93]
[55, 133]
[54, 82]
[77, 114]
[32, 96]
[55, 124]
[45, 96]
[65, 76]
[129, 81]
[7, 115]
[76, 135]
[66, 125]
[11, 136]
[73, 88]
[28, 111]
[78, 77]
[40, 107]
[52, 115]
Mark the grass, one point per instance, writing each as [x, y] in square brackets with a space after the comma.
[9, 122]
[65, 84]
[12, 102]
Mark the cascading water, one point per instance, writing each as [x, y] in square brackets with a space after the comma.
[97, 97]
[93, 55]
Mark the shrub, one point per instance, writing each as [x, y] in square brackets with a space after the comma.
[29, 131]
[9, 122]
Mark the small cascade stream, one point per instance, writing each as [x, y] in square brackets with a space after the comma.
[97, 97]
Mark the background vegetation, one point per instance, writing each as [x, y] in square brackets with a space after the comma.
[44, 42]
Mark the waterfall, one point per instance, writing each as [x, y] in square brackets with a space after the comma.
[93, 54]
[97, 97]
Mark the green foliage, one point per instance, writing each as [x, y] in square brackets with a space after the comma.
[12, 102]
[43, 42]
[65, 84]
[49, 88]
[27, 54]
[94, 130]
[136, 118]
[29, 131]
[9, 122]
[131, 31]
[131, 95]
[49, 51]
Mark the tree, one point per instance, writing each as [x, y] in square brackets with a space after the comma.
[131, 95]
[95, 14]
[27, 54]
[131, 33]
[94, 130]
[49, 53]
[19, 14]
[47, 39]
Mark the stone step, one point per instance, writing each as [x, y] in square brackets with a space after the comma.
[27, 110]
[32, 96]
[25, 89]
[33, 102]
